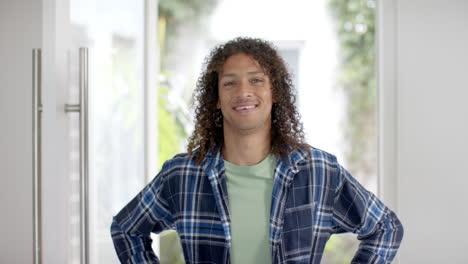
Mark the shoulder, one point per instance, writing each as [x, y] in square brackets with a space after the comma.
[181, 158]
[313, 156]
[317, 166]
[180, 161]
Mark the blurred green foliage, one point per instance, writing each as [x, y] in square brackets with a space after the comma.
[171, 134]
[354, 22]
[173, 14]
[171, 131]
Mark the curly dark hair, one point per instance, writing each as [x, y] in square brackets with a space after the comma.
[286, 130]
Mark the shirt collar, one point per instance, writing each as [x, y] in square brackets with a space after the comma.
[214, 159]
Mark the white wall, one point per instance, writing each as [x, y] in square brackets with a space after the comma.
[424, 112]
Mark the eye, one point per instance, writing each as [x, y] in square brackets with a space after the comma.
[257, 80]
[230, 83]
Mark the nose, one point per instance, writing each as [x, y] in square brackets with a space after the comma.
[245, 89]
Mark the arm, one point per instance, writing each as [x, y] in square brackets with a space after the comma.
[131, 227]
[359, 211]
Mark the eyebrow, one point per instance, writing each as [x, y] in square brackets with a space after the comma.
[235, 75]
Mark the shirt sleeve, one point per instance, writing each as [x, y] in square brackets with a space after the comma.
[359, 211]
[148, 212]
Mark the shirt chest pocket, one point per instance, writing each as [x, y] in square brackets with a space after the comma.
[298, 223]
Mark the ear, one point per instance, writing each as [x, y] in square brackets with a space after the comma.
[273, 93]
[273, 98]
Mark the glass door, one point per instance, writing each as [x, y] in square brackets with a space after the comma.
[114, 34]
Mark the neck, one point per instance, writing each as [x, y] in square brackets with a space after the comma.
[246, 149]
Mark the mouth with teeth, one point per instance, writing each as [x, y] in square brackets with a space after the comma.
[245, 108]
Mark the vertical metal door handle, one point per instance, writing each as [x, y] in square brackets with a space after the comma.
[37, 177]
[84, 129]
[82, 108]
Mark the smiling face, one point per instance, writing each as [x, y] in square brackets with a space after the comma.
[245, 95]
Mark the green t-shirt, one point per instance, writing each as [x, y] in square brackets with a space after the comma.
[249, 195]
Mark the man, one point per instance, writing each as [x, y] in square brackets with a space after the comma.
[250, 190]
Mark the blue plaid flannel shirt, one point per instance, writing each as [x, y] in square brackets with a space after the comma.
[312, 199]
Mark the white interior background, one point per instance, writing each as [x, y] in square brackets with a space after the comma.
[423, 62]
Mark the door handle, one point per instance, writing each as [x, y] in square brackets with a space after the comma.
[37, 139]
[82, 108]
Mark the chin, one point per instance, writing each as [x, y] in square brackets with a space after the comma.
[250, 127]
